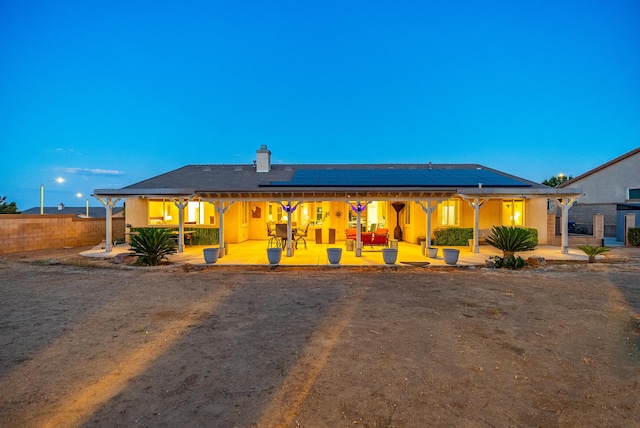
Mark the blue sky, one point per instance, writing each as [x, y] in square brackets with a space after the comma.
[106, 94]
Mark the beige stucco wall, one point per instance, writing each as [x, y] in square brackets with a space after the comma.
[20, 232]
[136, 213]
[536, 217]
[611, 184]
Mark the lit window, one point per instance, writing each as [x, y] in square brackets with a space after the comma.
[513, 212]
[195, 213]
[162, 211]
[245, 212]
[407, 213]
[634, 193]
[448, 213]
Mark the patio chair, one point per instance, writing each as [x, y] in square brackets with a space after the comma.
[300, 235]
[274, 241]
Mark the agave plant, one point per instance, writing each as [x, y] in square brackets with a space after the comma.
[592, 252]
[511, 240]
[152, 245]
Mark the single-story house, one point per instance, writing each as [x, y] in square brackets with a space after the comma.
[409, 199]
[611, 189]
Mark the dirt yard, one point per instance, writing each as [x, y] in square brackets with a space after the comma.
[85, 343]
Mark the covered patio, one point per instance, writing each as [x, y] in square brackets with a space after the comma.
[253, 253]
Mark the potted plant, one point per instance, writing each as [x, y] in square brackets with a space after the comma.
[592, 252]
[274, 255]
[334, 255]
[389, 255]
[450, 255]
[211, 255]
[432, 253]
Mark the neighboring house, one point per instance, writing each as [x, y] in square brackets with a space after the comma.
[241, 199]
[94, 212]
[612, 189]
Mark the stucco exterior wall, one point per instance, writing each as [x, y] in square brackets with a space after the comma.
[20, 232]
[536, 217]
[136, 212]
[611, 184]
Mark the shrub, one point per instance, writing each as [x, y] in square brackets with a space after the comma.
[512, 239]
[206, 236]
[510, 262]
[634, 236]
[457, 236]
[534, 234]
[592, 252]
[152, 245]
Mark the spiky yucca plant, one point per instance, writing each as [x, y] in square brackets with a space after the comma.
[152, 245]
[511, 240]
[592, 252]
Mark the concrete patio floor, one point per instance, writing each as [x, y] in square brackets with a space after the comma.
[254, 253]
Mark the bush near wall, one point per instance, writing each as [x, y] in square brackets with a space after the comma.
[634, 236]
[206, 237]
[459, 236]
[201, 236]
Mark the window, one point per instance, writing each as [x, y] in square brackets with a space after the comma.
[449, 212]
[162, 211]
[245, 212]
[407, 213]
[195, 213]
[634, 193]
[513, 212]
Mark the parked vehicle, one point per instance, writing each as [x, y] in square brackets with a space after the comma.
[574, 228]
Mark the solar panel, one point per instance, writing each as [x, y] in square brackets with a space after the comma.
[398, 178]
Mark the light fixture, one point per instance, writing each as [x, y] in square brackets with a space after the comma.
[80, 195]
[58, 180]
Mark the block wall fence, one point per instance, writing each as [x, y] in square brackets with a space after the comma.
[20, 232]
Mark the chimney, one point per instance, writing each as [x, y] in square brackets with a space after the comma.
[263, 163]
[60, 206]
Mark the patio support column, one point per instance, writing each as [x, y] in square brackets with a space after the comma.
[108, 203]
[566, 203]
[428, 210]
[289, 209]
[221, 209]
[358, 209]
[181, 204]
[476, 204]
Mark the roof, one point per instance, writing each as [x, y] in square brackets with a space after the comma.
[94, 212]
[331, 181]
[601, 167]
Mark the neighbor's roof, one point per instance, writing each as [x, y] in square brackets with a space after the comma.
[94, 212]
[332, 181]
[600, 168]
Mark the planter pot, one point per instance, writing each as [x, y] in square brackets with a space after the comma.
[450, 255]
[334, 255]
[389, 255]
[432, 253]
[211, 254]
[274, 255]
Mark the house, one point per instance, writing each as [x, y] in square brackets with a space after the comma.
[408, 199]
[611, 189]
